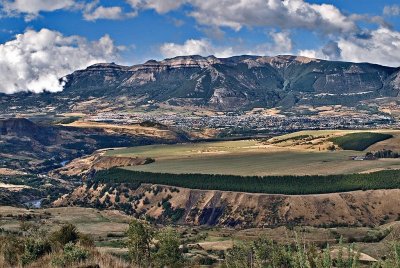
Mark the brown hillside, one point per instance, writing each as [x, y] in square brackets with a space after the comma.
[95, 162]
[198, 207]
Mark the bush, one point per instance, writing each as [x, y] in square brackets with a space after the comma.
[71, 254]
[146, 201]
[11, 249]
[207, 261]
[68, 233]
[86, 240]
[34, 249]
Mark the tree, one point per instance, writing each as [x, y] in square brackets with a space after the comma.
[239, 256]
[140, 236]
[169, 254]
[264, 250]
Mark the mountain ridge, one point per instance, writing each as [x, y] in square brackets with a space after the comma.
[235, 83]
[242, 82]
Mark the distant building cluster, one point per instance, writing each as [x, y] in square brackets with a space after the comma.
[251, 122]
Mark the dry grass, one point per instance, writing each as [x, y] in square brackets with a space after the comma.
[87, 220]
[103, 260]
[135, 130]
[10, 172]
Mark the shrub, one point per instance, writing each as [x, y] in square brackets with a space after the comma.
[11, 248]
[71, 254]
[67, 233]
[34, 249]
[146, 201]
[207, 261]
[86, 240]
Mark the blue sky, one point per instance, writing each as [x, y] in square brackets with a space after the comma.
[133, 31]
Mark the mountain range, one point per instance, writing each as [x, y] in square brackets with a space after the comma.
[235, 83]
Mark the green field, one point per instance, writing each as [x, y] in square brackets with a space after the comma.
[249, 158]
[359, 141]
[292, 185]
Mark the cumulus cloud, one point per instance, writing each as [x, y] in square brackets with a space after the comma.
[161, 6]
[382, 47]
[310, 53]
[93, 11]
[194, 47]
[393, 10]
[32, 8]
[36, 60]
[332, 51]
[281, 43]
[236, 14]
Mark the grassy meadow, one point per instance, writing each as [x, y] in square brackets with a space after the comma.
[254, 158]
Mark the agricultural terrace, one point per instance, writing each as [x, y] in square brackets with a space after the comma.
[303, 154]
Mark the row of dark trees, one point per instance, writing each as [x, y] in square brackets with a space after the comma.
[383, 154]
[314, 184]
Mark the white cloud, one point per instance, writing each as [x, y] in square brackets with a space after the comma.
[281, 44]
[93, 11]
[161, 6]
[32, 8]
[309, 53]
[239, 13]
[381, 46]
[101, 12]
[194, 47]
[393, 10]
[34, 61]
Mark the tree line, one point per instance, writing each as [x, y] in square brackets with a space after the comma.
[291, 185]
[383, 154]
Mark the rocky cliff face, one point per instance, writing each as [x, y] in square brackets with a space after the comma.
[240, 82]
